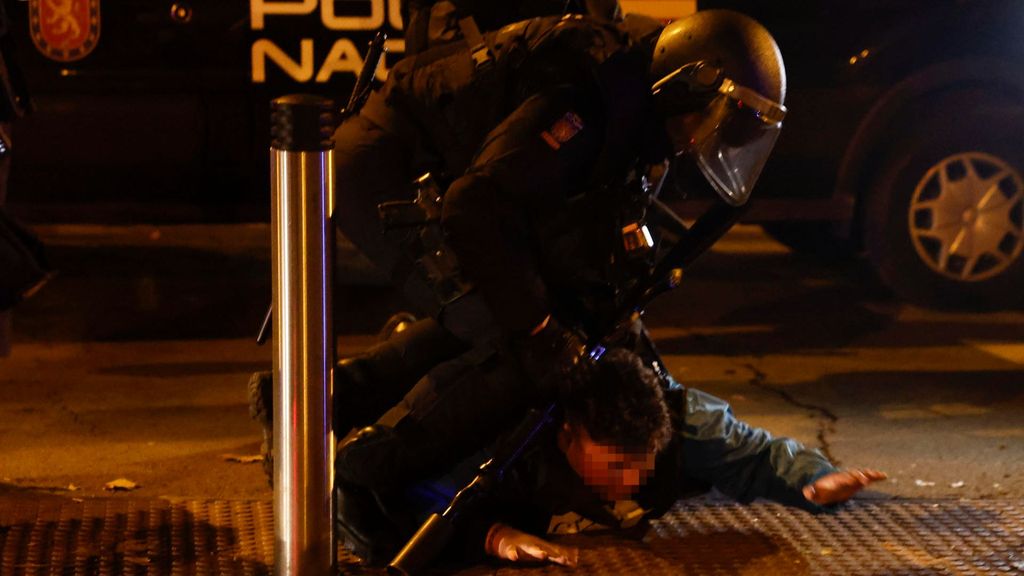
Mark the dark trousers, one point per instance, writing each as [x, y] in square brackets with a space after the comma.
[442, 386]
[431, 423]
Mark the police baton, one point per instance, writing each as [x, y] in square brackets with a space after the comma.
[423, 548]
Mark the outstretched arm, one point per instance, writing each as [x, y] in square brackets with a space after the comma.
[745, 462]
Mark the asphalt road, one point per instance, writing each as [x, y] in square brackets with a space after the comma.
[132, 364]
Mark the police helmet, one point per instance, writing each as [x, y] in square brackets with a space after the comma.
[720, 84]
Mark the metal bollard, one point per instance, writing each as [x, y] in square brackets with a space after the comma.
[302, 187]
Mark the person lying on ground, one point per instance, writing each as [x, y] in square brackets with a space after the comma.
[624, 433]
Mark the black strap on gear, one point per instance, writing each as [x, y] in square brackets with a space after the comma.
[479, 50]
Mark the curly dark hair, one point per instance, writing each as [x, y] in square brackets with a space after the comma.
[619, 400]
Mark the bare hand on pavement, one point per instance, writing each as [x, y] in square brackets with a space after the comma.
[841, 486]
[516, 546]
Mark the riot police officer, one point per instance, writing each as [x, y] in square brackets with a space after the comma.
[435, 113]
[541, 133]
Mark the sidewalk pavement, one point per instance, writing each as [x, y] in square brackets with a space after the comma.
[132, 365]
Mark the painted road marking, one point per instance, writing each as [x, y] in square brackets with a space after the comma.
[1009, 351]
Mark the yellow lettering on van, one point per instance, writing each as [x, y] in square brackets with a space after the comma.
[343, 57]
[333, 22]
[395, 14]
[259, 9]
[264, 49]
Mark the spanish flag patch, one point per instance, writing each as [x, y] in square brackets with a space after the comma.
[562, 130]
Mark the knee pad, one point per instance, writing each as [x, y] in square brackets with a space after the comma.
[363, 460]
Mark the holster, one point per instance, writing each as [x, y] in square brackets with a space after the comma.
[434, 262]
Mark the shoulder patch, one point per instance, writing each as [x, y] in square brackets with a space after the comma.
[562, 130]
[64, 30]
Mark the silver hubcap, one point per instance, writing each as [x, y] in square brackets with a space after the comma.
[966, 216]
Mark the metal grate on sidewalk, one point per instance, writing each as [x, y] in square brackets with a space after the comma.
[120, 536]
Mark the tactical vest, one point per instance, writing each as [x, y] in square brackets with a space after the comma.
[443, 101]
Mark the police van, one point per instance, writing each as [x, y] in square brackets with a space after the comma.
[903, 140]
[157, 110]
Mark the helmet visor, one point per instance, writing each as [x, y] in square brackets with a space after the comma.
[733, 140]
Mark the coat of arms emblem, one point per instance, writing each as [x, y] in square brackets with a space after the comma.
[64, 30]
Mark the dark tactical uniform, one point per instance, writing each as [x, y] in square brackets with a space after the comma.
[541, 137]
[564, 109]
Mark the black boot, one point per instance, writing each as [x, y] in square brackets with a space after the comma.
[261, 399]
[348, 372]
[363, 526]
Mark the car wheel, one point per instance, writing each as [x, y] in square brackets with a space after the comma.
[944, 222]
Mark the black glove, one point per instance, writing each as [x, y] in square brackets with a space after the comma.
[547, 355]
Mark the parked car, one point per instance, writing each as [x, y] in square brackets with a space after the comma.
[904, 140]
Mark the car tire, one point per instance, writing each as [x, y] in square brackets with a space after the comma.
[943, 219]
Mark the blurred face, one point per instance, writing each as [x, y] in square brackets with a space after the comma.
[613, 473]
